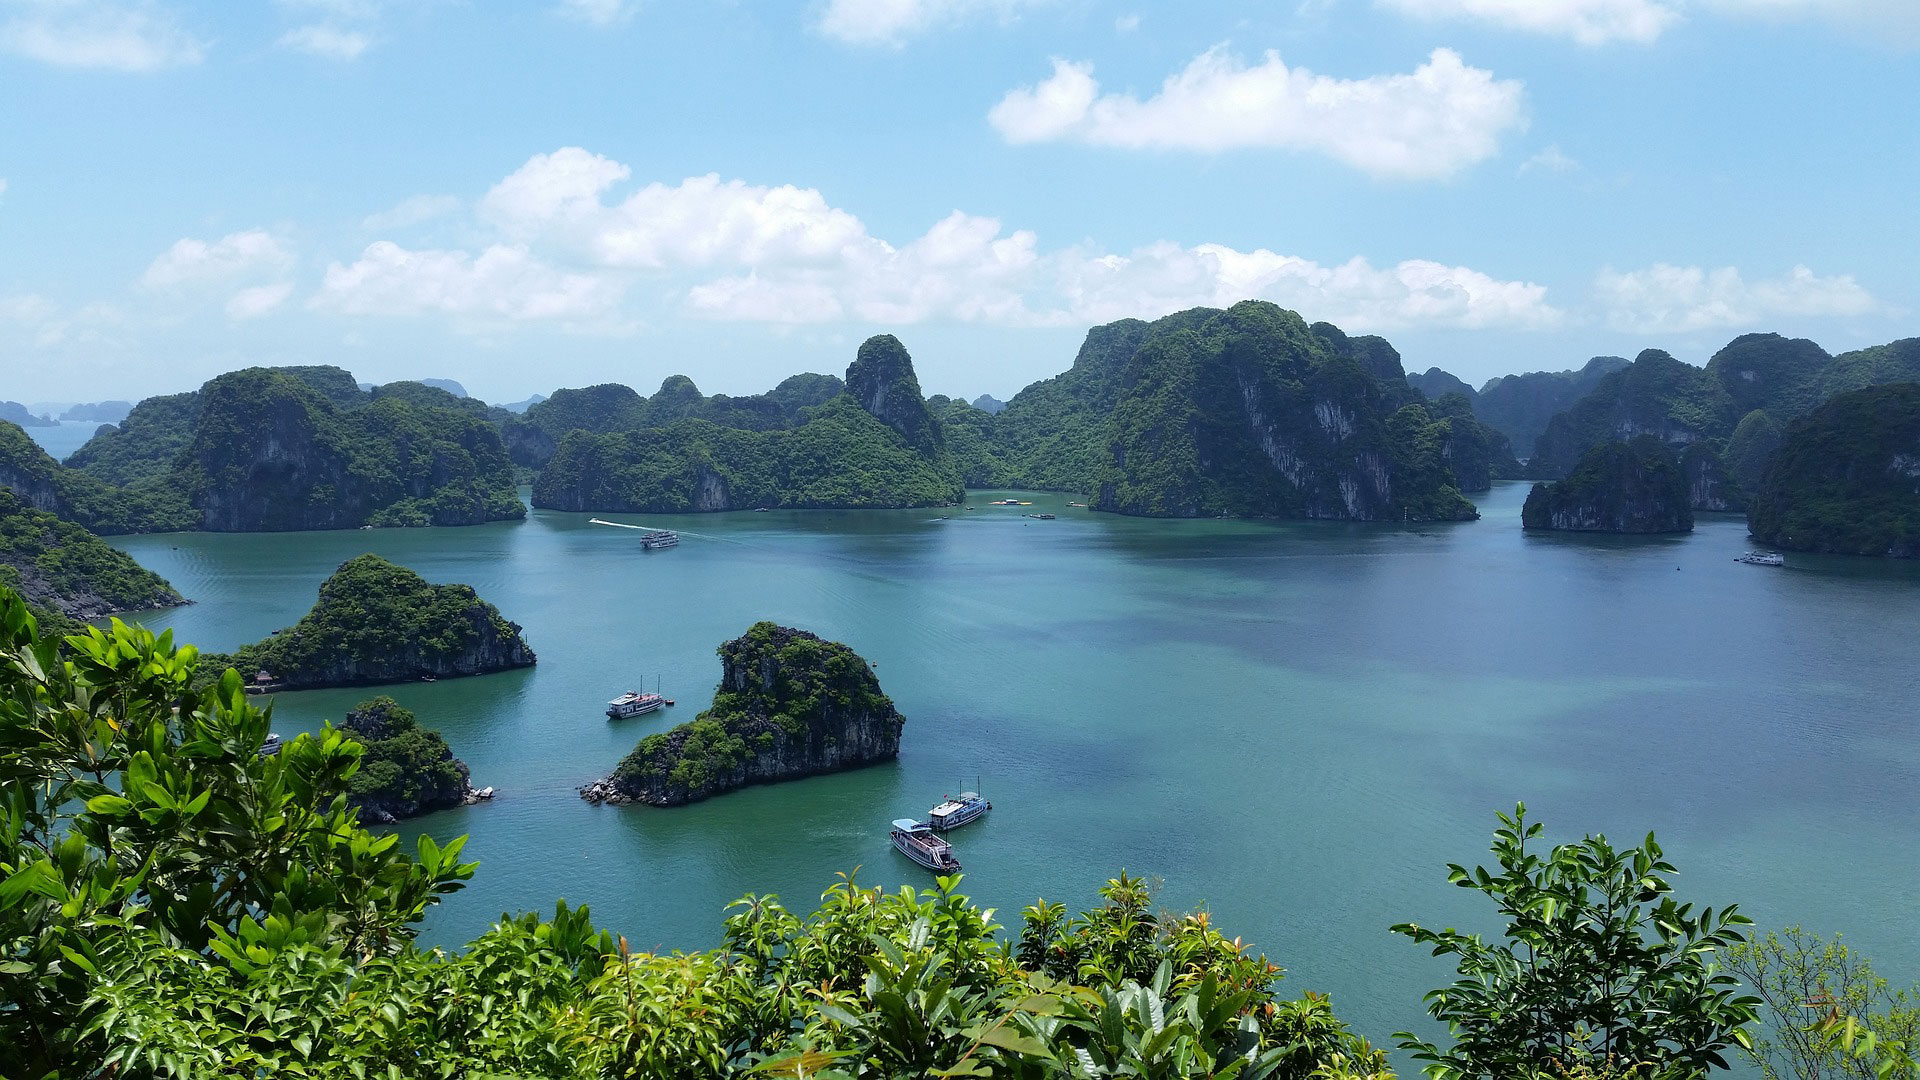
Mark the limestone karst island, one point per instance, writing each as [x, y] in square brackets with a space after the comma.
[994, 539]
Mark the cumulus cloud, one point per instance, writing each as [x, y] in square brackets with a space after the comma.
[251, 303]
[1431, 122]
[1678, 299]
[254, 252]
[329, 42]
[1552, 159]
[503, 282]
[732, 250]
[130, 36]
[1589, 22]
[892, 22]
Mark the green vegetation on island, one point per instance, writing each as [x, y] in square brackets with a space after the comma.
[1631, 486]
[66, 573]
[789, 705]
[405, 769]
[173, 904]
[1846, 478]
[873, 444]
[379, 623]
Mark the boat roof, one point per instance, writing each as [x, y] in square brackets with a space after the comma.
[947, 807]
[908, 824]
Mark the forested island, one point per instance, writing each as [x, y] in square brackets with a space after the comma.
[1629, 486]
[66, 573]
[1846, 478]
[789, 705]
[406, 770]
[379, 623]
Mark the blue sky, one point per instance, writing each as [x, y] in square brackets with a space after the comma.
[537, 195]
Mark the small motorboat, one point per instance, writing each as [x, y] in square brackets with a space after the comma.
[916, 841]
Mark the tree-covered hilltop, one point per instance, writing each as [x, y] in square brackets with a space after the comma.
[149, 505]
[610, 407]
[1251, 412]
[1521, 406]
[64, 570]
[840, 454]
[173, 904]
[1656, 395]
[379, 623]
[1630, 486]
[272, 449]
[1053, 435]
[406, 770]
[1846, 478]
[789, 705]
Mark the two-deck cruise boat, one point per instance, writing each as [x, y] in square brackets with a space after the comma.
[633, 703]
[916, 840]
[956, 810]
[1762, 558]
[659, 538]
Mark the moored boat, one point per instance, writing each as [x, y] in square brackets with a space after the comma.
[1762, 558]
[956, 810]
[633, 703]
[916, 841]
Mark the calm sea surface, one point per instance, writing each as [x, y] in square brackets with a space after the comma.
[1296, 725]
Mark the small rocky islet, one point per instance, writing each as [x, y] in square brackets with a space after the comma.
[790, 704]
[405, 770]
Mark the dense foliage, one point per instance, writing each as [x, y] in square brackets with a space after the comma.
[1756, 439]
[156, 505]
[1631, 486]
[783, 691]
[1250, 412]
[1809, 988]
[1657, 395]
[406, 769]
[62, 568]
[1600, 965]
[144, 446]
[1520, 406]
[1847, 477]
[377, 622]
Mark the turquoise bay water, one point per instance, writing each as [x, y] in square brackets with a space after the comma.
[1297, 725]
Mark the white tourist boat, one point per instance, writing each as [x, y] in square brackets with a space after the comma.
[916, 840]
[1762, 558]
[659, 538]
[956, 810]
[633, 703]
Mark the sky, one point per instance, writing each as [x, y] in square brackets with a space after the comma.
[557, 193]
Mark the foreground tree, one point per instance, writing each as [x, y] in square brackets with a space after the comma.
[1601, 968]
[1817, 995]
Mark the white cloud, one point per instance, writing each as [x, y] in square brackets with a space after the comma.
[323, 40]
[3, 186]
[1589, 22]
[130, 36]
[891, 22]
[700, 221]
[251, 303]
[503, 282]
[1127, 24]
[413, 211]
[1678, 299]
[1552, 159]
[34, 320]
[1432, 122]
[598, 12]
[254, 252]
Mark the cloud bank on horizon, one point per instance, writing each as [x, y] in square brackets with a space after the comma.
[592, 250]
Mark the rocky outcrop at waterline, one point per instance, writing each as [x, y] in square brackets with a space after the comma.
[406, 770]
[1619, 487]
[789, 704]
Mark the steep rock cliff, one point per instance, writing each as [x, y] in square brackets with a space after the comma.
[1847, 478]
[380, 623]
[789, 705]
[1250, 412]
[1635, 486]
[1710, 486]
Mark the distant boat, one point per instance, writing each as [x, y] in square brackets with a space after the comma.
[957, 810]
[916, 841]
[1762, 558]
[270, 745]
[633, 703]
[659, 538]
[760, 509]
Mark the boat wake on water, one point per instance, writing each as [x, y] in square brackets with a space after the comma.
[650, 528]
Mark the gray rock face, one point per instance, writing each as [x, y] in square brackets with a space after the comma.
[1621, 487]
[789, 705]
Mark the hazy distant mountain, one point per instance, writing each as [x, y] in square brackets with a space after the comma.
[19, 414]
[448, 385]
[99, 412]
[523, 406]
[987, 403]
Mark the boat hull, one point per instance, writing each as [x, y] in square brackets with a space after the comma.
[921, 855]
[970, 813]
